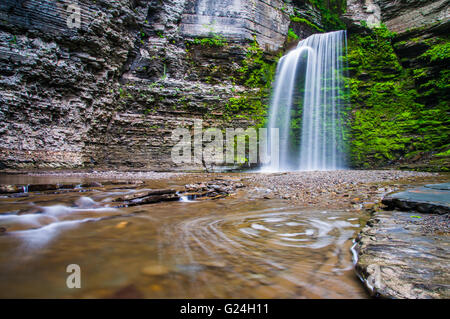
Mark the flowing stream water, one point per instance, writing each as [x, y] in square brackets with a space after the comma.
[239, 247]
[308, 105]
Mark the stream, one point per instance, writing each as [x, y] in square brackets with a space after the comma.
[235, 247]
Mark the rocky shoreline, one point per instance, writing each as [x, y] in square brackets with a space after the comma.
[405, 252]
[348, 189]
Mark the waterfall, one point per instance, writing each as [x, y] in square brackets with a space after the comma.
[308, 105]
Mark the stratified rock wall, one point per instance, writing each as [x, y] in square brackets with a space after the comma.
[402, 15]
[109, 92]
[237, 19]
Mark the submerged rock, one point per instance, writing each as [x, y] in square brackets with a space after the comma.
[122, 225]
[155, 270]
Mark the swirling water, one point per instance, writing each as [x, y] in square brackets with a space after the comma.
[238, 247]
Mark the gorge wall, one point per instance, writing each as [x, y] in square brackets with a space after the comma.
[108, 94]
[399, 81]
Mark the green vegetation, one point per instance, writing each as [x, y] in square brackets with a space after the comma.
[257, 73]
[398, 113]
[13, 40]
[292, 36]
[214, 40]
[330, 10]
[307, 22]
[256, 70]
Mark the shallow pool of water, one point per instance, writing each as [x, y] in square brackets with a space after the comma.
[237, 247]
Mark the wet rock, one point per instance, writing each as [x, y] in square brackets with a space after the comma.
[337, 187]
[9, 189]
[122, 182]
[34, 210]
[86, 202]
[430, 199]
[68, 186]
[144, 194]
[91, 184]
[218, 188]
[42, 187]
[128, 292]
[400, 256]
[19, 195]
[369, 206]
[2, 230]
[153, 199]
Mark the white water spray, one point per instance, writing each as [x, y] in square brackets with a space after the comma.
[309, 84]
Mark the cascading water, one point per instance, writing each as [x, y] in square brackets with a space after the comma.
[308, 105]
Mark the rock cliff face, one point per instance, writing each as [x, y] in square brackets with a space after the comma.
[109, 92]
[403, 15]
[399, 93]
[237, 20]
[398, 16]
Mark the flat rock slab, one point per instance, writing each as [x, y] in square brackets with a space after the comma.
[405, 255]
[429, 199]
[443, 186]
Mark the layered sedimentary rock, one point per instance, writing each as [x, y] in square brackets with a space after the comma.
[237, 19]
[110, 91]
[406, 254]
[400, 16]
[399, 97]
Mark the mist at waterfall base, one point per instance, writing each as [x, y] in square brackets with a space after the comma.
[308, 106]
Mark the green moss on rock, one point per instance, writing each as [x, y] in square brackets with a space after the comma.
[392, 120]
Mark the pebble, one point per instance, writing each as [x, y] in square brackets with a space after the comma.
[122, 225]
[214, 264]
[155, 270]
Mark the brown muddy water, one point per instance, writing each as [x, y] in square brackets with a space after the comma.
[235, 247]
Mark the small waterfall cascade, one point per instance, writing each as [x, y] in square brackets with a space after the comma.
[308, 105]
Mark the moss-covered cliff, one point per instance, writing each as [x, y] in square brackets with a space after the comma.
[400, 98]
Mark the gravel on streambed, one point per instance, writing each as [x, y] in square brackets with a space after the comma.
[357, 189]
[344, 188]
